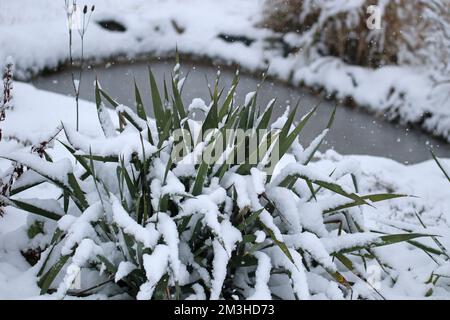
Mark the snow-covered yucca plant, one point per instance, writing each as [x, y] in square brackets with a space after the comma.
[132, 219]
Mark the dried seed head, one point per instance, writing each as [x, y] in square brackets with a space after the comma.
[93, 8]
[85, 9]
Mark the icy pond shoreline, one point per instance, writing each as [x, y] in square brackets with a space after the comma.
[354, 131]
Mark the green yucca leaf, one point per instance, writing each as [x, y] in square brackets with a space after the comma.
[78, 157]
[243, 117]
[200, 179]
[166, 91]
[227, 104]
[129, 115]
[102, 113]
[132, 189]
[77, 193]
[96, 181]
[110, 267]
[279, 243]
[335, 188]
[121, 182]
[330, 123]
[286, 143]
[140, 109]
[98, 98]
[25, 186]
[248, 238]
[290, 120]
[447, 175]
[149, 135]
[311, 188]
[267, 115]
[355, 182]
[252, 111]
[427, 249]
[212, 120]
[56, 181]
[113, 102]
[66, 196]
[231, 122]
[242, 261]
[346, 262]
[55, 239]
[315, 191]
[253, 158]
[175, 118]
[165, 133]
[338, 189]
[160, 292]
[31, 206]
[47, 156]
[158, 108]
[103, 159]
[72, 185]
[232, 119]
[178, 102]
[130, 244]
[47, 279]
[168, 167]
[179, 112]
[383, 241]
[372, 198]
[181, 227]
[435, 239]
[340, 279]
[248, 221]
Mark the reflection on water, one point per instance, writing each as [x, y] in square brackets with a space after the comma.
[353, 132]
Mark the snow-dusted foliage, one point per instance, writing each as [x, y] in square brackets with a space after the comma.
[6, 98]
[333, 40]
[347, 29]
[436, 51]
[7, 102]
[132, 218]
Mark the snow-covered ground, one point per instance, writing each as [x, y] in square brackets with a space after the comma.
[35, 34]
[37, 113]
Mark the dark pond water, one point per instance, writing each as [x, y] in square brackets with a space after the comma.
[353, 132]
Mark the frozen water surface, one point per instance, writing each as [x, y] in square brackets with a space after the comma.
[353, 132]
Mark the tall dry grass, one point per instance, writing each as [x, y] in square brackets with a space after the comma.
[339, 29]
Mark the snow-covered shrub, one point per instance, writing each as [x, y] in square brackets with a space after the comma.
[339, 28]
[6, 99]
[436, 51]
[132, 218]
[6, 102]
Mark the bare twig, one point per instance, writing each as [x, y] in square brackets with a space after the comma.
[7, 101]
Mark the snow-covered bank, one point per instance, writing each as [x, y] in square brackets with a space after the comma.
[37, 113]
[35, 34]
